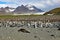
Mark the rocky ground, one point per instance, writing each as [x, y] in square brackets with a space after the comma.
[11, 33]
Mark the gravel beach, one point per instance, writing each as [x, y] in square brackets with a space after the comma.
[11, 33]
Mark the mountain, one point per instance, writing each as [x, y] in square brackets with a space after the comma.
[9, 9]
[2, 9]
[55, 11]
[6, 10]
[27, 9]
[33, 8]
[21, 9]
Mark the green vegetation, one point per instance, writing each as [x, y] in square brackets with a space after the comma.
[25, 16]
[18, 16]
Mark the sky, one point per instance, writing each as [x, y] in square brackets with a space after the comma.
[45, 5]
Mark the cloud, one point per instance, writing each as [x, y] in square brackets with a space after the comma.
[38, 3]
[41, 5]
[49, 2]
[45, 1]
[56, 1]
[10, 5]
[3, 5]
[7, 0]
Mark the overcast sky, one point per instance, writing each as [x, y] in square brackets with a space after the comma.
[42, 4]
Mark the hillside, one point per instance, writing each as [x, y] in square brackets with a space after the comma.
[55, 11]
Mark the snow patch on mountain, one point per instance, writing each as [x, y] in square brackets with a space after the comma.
[30, 7]
[11, 10]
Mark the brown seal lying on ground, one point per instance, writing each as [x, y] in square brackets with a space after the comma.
[23, 30]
